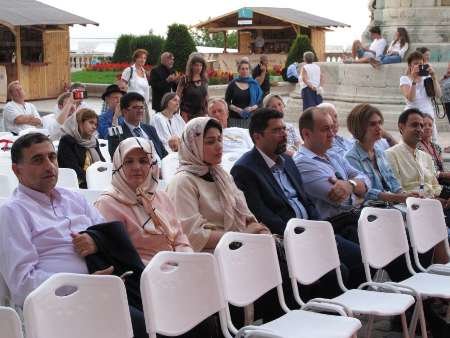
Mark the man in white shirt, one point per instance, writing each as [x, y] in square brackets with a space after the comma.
[19, 115]
[374, 51]
[235, 140]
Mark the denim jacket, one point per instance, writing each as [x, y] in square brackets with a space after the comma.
[359, 159]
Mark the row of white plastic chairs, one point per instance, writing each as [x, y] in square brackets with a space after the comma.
[179, 290]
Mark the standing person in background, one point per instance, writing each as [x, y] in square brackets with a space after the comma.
[112, 115]
[168, 123]
[412, 86]
[445, 86]
[193, 89]
[19, 115]
[163, 80]
[312, 82]
[261, 74]
[134, 78]
[243, 95]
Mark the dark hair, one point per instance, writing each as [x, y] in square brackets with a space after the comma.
[403, 36]
[166, 98]
[414, 56]
[306, 120]
[375, 29]
[212, 123]
[126, 100]
[403, 118]
[243, 62]
[193, 59]
[358, 119]
[26, 141]
[422, 50]
[76, 85]
[260, 119]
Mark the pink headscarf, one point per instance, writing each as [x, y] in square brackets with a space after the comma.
[122, 192]
[190, 154]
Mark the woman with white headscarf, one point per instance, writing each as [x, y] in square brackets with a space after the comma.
[78, 147]
[207, 201]
[133, 199]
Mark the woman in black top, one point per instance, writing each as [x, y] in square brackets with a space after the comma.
[79, 147]
[193, 89]
[243, 96]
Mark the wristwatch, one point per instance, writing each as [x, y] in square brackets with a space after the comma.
[353, 184]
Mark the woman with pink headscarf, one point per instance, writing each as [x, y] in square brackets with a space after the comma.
[207, 200]
[133, 199]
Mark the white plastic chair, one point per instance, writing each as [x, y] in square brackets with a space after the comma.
[3, 200]
[5, 186]
[5, 169]
[311, 253]
[426, 227]
[10, 323]
[99, 175]
[249, 268]
[228, 160]
[104, 149]
[90, 194]
[73, 306]
[67, 178]
[382, 239]
[179, 290]
[169, 166]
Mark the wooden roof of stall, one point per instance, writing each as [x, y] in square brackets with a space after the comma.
[31, 12]
[269, 18]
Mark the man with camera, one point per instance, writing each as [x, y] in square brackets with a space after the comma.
[19, 115]
[261, 74]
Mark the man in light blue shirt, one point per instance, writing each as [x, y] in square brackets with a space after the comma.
[333, 185]
[292, 73]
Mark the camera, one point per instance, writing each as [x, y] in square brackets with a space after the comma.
[79, 94]
[423, 70]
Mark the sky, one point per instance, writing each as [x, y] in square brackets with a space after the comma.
[141, 16]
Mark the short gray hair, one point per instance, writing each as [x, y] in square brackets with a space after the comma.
[308, 57]
[215, 100]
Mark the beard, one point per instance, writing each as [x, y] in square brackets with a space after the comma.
[281, 148]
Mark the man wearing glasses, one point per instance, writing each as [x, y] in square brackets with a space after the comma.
[132, 107]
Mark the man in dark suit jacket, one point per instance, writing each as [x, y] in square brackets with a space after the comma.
[132, 109]
[163, 80]
[272, 186]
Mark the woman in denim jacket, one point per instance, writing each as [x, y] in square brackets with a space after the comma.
[365, 122]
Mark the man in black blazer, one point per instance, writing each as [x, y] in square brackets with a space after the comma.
[273, 188]
[132, 109]
[163, 80]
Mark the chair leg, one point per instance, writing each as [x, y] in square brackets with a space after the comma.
[404, 326]
[423, 324]
[369, 326]
[413, 323]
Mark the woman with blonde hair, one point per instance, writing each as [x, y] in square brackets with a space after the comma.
[193, 88]
[78, 147]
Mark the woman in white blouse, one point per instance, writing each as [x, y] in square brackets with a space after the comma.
[134, 78]
[168, 123]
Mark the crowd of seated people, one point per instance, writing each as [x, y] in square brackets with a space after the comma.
[278, 174]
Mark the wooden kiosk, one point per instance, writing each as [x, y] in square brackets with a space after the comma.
[273, 28]
[34, 46]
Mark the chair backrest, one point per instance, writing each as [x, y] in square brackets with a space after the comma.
[5, 186]
[10, 326]
[169, 166]
[248, 266]
[72, 306]
[228, 160]
[99, 175]
[179, 290]
[426, 223]
[103, 144]
[5, 169]
[382, 236]
[90, 195]
[67, 178]
[310, 248]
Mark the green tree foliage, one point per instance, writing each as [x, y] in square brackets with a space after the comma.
[181, 44]
[127, 44]
[122, 52]
[300, 45]
[203, 38]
